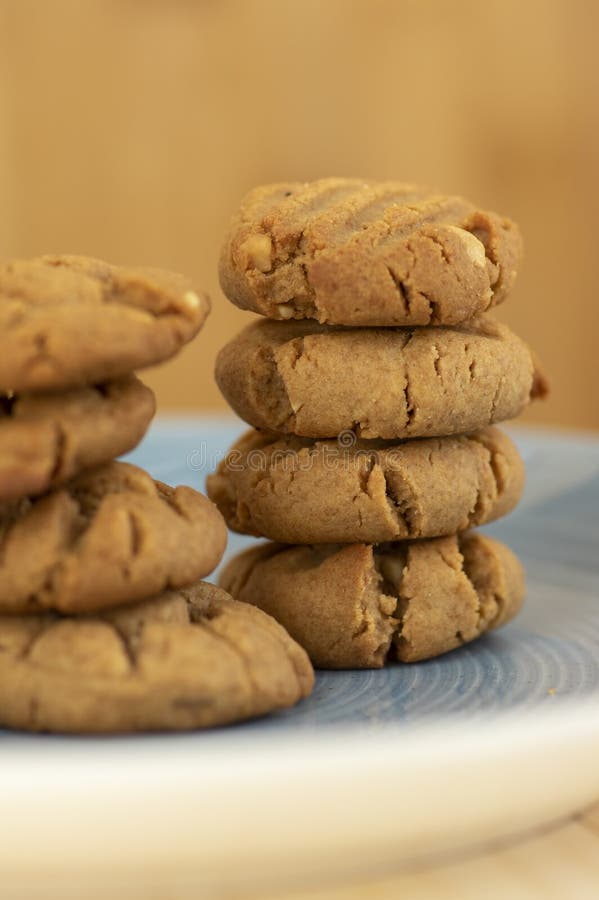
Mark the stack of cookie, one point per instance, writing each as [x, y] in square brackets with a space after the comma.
[372, 384]
[103, 624]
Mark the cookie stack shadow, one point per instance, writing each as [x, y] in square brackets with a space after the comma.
[372, 383]
[104, 625]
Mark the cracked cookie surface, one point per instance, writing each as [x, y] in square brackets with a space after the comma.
[300, 491]
[45, 439]
[318, 381]
[112, 535]
[67, 321]
[359, 605]
[349, 252]
[185, 659]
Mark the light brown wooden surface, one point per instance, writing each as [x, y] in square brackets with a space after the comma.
[130, 130]
[548, 865]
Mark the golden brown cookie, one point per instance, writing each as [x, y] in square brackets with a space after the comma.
[301, 491]
[349, 252]
[66, 321]
[45, 439]
[318, 381]
[113, 535]
[186, 659]
[356, 606]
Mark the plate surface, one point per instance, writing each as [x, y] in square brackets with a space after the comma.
[374, 768]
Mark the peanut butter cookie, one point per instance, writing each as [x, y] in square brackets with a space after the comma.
[66, 321]
[186, 659]
[300, 491]
[112, 535]
[318, 381]
[357, 606]
[350, 252]
[45, 439]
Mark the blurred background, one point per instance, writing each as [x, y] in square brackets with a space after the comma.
[130, 130]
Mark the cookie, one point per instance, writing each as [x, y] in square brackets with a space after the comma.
[349, 252]
[45, 439]
[318, 381]
[113, 535]
[300, 491]
[66, 321]
[185, 659]
[357, 606]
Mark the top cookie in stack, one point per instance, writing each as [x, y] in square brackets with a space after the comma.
[382, 293]
[347, 252]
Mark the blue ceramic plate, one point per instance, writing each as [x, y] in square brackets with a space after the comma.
[374, 768]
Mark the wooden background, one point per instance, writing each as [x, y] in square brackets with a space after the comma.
[130, 130]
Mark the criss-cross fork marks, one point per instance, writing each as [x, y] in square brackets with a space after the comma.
[383, 214]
